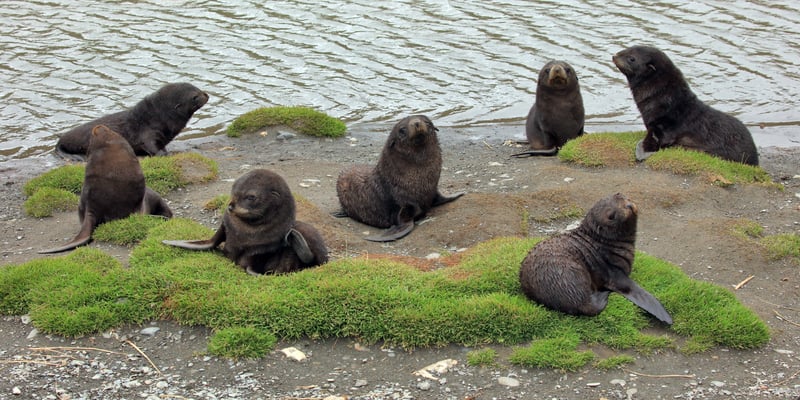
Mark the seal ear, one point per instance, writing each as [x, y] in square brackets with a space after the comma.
[651, 66]
[300, 246]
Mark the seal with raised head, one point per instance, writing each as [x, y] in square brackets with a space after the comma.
[557, 114]
[113, 187]
[672, 113]
[148, 126]
[402, 187]
[576, 271]
[259, 228]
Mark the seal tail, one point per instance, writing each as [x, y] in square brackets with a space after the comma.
[83, 237]
[646, 301]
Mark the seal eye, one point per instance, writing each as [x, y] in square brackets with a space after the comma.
[612, 215]
[403, 131]
[547, 70]
[250, 197]
[631, 59]
[568, 70]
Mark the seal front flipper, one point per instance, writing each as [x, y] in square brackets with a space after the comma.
[642, 155]
[441, 199]
[646, 301]
[542, 152]
[393, 233]
[300, 246]
[83, 237]
[207, 244]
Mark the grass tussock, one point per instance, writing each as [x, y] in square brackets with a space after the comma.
[127, 231]
[475, 302]
[602, 149]
[218, 203]
[618, 150]
[774, 247]
[482, 358]
[50, 192]
[614, 362]
[303, 120]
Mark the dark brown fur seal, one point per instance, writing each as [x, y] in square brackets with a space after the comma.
[575, 272]
[148, 126]
[557, 115]
[402, 187]
[259, 229]
[674, 116]
[113, 187]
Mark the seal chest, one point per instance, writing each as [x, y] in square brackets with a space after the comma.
[575, 272]
[402, 187]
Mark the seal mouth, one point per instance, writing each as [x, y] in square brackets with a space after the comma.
[557, 76]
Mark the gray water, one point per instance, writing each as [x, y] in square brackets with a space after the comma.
[466, 64]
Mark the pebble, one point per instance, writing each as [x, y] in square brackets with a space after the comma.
[294, 354]
[150, 331]
[433, 256]
[360, 383]
[508, 381]
[593, 384]
[718, 383]
[33, 333]
[285, 135]
[16, 391]
[424, 385]
[618, 382]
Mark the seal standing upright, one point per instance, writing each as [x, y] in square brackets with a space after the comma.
[674, 116]
[259, 228]
[113, 187]
[148, 126]
[557, 114]
[402, 187]
[575, 272]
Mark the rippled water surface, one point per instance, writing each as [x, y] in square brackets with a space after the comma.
[465, 64]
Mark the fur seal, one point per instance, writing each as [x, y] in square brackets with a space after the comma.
[402, 187]
[674, 116]
[557, 114]
[113, 187]
[148, 126]
[260, 231]
[575, 272]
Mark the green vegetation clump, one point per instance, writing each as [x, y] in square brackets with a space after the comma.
[775, 247]
[47, 200]
[618, 149]
[483, 358]
[476, 302]
[163, 174]
[243, 342]
[602, 149]
[67, 177]
[218, 203]
[559, 352]
[127, 231]
[301, 119]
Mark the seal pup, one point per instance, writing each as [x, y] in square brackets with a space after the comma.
[402, 187]
[557, 114]
[576, 271]
[259, 228]
[113, 187]
[148, 126]
[674, 116]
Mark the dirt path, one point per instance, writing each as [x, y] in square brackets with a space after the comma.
[682, 220]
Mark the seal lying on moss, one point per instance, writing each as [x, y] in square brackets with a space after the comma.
[113, 187]
[402, 187]
[575, 272]
[557, 115]
[259, 228]
[148, 126]
[674, 116]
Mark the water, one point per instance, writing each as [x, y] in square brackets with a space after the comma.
[465, 64]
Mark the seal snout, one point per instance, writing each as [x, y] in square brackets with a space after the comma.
[558, 75]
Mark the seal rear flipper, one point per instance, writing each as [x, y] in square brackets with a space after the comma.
[62, 153]
[442, 199]
[647, 302]
[300, 246]
[339, 214]
[393, 233]
[542, 152]
[642, 155]
[83, 237]
[208, 244]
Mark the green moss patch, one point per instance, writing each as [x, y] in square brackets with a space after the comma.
[127, 231]
[301, 119]
[163, 174]
[475, 302]
[614, 149]
[614, 362]
[774, 247]
[245, 342]
[218, 203]
[47, 200]
[67, 177]
[482, 358]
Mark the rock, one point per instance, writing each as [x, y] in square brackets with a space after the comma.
[32, 334]
[424, 385]
[294, 354]
[285, 135]
[439, 367]
[593, 384]
[618, 382]
[433, 256]
[150, 331]
[26, 319]
[360, 383]
[508, 381]
[717, 383]
[16, 391]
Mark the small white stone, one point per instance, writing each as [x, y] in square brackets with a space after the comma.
[424, 385]
[433, 256]
[495, 164]
[508, 381]
[568, 179]
[593, 384]
[718, 383]
[618, 382]
[294, 354]
[360, 382]
[16, 391]
[781, 351]
[26, 319]
[32, 334]
[150, 331]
